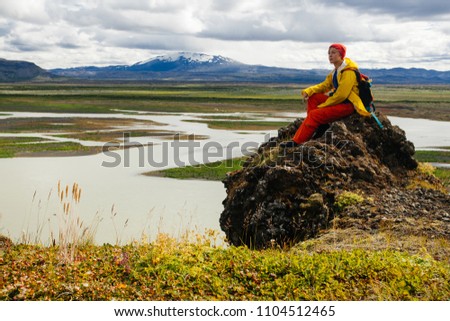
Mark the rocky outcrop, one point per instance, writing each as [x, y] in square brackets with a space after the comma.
[286, 195]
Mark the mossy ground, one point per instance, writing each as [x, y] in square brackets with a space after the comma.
[167, 269]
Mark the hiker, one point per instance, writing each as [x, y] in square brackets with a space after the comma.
[333, 99]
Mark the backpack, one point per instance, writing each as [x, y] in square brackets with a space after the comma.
[365, 93]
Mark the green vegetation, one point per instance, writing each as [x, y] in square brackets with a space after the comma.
[109, 98]
[26, 146]
[427, 178]
[444, 176]
[347, 199]
[167, 269]
[425, 168]
[70, 124]
[9, 146]
[431, 102]
[432, 156]
[96, 129]
[119, 135]
[241, 124]
[211, 171]
[223, 117]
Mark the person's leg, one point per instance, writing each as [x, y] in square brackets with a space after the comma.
[304, 132]
[330, 114]
[320, 116]
[314, 101]
[307, 131]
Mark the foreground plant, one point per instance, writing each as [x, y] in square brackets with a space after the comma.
[169, 269]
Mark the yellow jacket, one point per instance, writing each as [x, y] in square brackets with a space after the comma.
[347, 89]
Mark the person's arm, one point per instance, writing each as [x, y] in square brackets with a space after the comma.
[346, 83]
[323, 87]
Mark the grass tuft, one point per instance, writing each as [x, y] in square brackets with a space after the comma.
[210, 171]
[346, 199]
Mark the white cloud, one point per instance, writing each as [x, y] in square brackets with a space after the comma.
[416, 9]
[21, 10]
[287, 33]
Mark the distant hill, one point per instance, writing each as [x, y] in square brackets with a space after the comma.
[14, 70]
[186, 66]
[408, 76]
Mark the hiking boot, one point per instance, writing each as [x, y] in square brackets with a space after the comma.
[320, 131]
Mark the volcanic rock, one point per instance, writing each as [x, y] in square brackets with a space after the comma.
[286, 195]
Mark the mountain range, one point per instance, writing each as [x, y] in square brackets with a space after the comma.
[185, 66]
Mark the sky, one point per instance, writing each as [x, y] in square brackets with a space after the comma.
[282, 33]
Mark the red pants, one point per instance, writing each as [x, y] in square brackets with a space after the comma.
[320, 116]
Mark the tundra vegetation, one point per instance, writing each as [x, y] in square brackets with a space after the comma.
[339, 265]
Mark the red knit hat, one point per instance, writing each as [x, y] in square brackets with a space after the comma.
[339, 47]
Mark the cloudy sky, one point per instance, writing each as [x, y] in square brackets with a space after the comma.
[284, 33]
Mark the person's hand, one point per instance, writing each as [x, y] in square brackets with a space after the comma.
[305, 96]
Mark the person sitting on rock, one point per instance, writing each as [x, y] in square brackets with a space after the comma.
[335, 98]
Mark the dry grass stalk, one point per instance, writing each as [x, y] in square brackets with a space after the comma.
[72, 231]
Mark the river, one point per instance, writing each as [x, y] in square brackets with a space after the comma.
[117, 202]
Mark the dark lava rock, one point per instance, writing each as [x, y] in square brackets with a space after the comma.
[286, 195]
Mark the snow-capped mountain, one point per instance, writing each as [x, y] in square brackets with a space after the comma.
[190, 57]
[183, 61]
